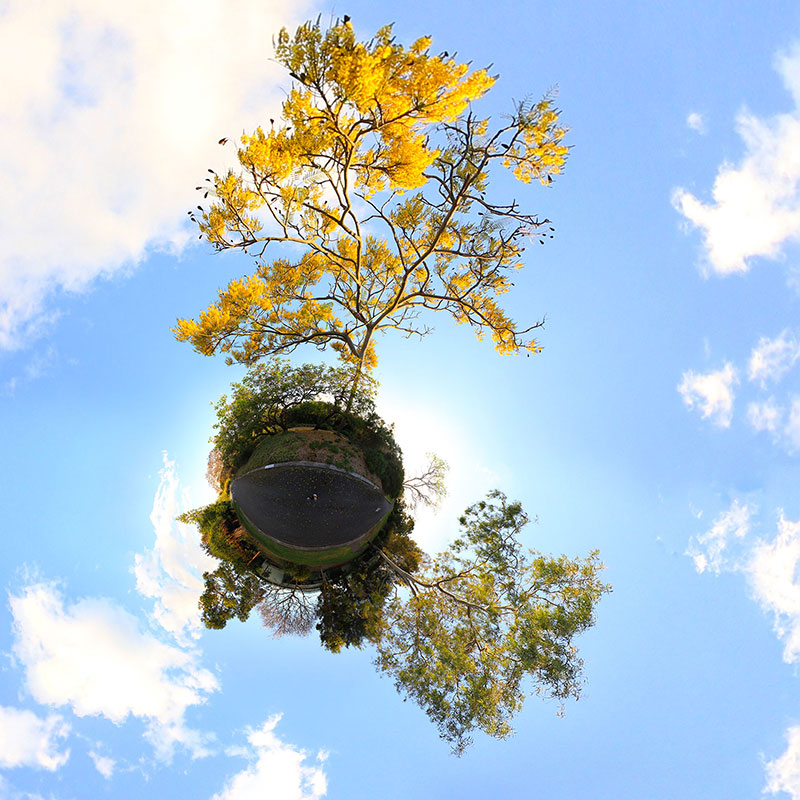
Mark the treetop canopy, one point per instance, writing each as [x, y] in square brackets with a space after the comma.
[378, 172]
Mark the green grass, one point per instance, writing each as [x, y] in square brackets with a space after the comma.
[274, 450]
[283, 447]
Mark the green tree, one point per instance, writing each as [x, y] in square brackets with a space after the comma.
[229, 593]
[481, 618]
[351, 601]
[274, 396]
[378, 176]
[264, 402]
[350, 606]
[221, 534]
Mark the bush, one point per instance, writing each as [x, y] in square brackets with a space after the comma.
[221, 533]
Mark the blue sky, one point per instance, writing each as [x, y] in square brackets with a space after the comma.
[661, 424]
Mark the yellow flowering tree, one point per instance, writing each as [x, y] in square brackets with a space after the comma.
[378, 175]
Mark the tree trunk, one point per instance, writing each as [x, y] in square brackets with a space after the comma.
[359, 370]
[354, 387]
[415, 584]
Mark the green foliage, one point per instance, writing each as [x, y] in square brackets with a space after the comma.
[298, 572]
[350, 604]
[376, 461]
[221, 534]
[395, 539]
[273, 450]
[318, 413]
[382, 454]
[274, 396]
[482, 617]
[228, 593]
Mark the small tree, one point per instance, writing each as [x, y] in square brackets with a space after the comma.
[350, 606]
[429, 488]
[378, 175]
[229, 592]
[221, 533]
[482, 617]
[286, 610]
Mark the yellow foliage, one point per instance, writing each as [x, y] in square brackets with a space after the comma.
[364, 123]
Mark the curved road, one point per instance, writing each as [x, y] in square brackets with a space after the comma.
[309, 506]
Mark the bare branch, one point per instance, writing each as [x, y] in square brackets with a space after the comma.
[428, 488]
[287, 611]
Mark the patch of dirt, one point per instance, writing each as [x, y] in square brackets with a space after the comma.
[327, 447]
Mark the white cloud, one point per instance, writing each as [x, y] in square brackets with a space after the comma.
[772, 571]
[792, 429]
[756, 204]
[109, 117]
[764, 416]
[709, 549]
[82, 654]
[276, 769]
[711, 392]
[103, 764]
[9, 792]
[696, 122]
[771, 567]
[767, 416]
[27, 740]
[38, 365]
[769, 362]
[171, 572]
[793, 278]
[783, 773]
[771, 359]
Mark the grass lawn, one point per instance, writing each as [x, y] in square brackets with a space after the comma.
[308, 444]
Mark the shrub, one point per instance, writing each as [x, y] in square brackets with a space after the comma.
[221, 534]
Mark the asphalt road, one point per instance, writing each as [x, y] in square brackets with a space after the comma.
[309, 506]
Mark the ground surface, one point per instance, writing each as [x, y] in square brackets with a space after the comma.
[280, 502]
[310, 444]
